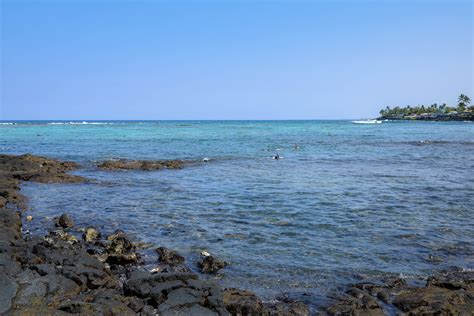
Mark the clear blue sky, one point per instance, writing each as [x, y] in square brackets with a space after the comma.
[235, 60]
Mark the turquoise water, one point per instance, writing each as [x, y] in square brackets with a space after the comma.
[355, 201]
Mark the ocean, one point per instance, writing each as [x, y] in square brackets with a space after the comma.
[354, 202]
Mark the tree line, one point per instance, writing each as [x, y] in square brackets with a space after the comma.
[443, 109]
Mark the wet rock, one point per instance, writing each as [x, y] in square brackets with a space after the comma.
[65, 221]
[120, 244]
[115, 234]
[120, 250]
[50, 178]
[14, 169]
[210, 264]
[450, 293]
[28, 162]
[239, 302]
[141, 164]
[169, 256]
[122, 259]
[352, 306]
[453, 280]
[90, 234]
[60, 234]
[435, 301]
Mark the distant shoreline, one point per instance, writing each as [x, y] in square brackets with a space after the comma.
[463, 111]
[465, 116]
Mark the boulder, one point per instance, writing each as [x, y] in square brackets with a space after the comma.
[210, 264]
[239, 302]
[122, 258]
[8, 288]
[64, 221]
[169, 256]
[120, 244]
[90, 234]
[142, 283]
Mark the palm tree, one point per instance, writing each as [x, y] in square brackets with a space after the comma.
[463, 102]
[442, 108]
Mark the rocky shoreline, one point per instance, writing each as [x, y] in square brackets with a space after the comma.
[76, 270]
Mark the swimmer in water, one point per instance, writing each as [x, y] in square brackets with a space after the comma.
[276, 157]
[296, 147]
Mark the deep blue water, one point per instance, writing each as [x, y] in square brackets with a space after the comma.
[356, 201]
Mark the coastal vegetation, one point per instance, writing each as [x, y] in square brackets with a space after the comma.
[462, 111]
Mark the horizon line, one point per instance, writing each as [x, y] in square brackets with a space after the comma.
[154, 120]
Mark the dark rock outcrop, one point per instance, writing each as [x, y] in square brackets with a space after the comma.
[210, 264]
[448, 293]
[121, 250]
[90, 234]
[169, 256]
[240, 302]
[61, 274]
[14, 169]
[65, 221]
[147, 165]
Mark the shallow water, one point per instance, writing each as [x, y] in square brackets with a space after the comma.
[356, 201]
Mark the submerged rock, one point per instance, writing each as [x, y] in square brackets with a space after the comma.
[141, 164]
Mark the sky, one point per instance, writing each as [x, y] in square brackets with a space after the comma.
[159, 60]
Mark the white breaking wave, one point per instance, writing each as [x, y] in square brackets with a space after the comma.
[367, 122]
[79, 123]
[4, 123]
